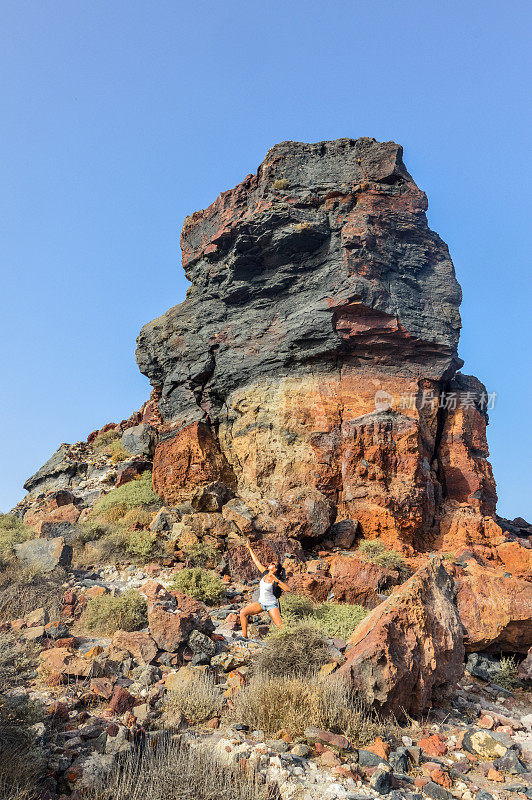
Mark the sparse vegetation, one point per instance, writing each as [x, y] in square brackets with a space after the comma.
[280, 183]
[107, 614]
[141, 543]
[12, 532]
[138, 492]
[295, 650]
[179, 770]
[21, 761]
[201, 584]
[105, 439]
[331, 619]
[118, 452]
[22, 590]
[295, 702]
[373, 550]
[201, 554]
[507, 675]
[198, 699]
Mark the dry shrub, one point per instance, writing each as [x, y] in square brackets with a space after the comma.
[108, 614]
[12, 531]
[296, 702]
[292, 651]
[179, 770]
[22, 590]
[138, 518]
[105, 439]
[21, 761]
[198, 699]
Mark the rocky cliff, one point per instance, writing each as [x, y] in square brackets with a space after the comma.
[312, 368]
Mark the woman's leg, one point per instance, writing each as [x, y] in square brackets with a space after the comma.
[275, 614]
[248, 611]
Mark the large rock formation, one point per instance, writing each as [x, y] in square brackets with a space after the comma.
[409, 651]
[312, 368]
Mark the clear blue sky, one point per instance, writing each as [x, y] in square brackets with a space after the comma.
[120, 117]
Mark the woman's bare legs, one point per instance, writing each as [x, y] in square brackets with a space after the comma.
[275, 614]
[248, 611]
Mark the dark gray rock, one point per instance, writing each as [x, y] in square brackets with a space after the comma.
[201, 644]
[343, 533]
[380, 781]
[510, 763]
[483, 666]
[56, 473]
[435, 791]
[294, 253]
[140, 440]
[368, 759]
[399, 759]
[44, 554]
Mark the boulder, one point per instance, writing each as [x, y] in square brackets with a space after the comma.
[56, 473]
[516, 559]
[343, 533]
[45, 554]
[170, 628]
[141, 645]
[358, 581]
[495, 609]
[59, 660]
[140, 440]
[410, 648]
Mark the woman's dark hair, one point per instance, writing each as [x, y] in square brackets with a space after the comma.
[280, 571]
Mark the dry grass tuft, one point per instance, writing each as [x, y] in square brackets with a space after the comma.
[179, 770]
[294, 650]
[296, 702]
[22, 590]
[198, 699]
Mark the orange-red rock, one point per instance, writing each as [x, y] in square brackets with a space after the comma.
[410, 646]
[140, 645]
[496, 610]
[516, 559]
[186, 459]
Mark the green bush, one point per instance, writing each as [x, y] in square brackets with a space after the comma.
[331, 619]
[107, 614]
[138, 518]
[118, 452]
[374, 550]
[141, 543]
[296, 650]
[201, 555]
[12, 531]
[201, 584]
[138, 492]
[507, 674]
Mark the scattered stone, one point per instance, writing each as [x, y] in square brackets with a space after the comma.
[141, 645]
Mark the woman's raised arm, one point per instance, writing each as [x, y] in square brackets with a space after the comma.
[254, 557]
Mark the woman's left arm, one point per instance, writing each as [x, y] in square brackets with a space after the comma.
[284, 586]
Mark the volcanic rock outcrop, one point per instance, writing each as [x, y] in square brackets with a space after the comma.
[312, 368]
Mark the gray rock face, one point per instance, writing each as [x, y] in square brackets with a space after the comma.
[140, 440]
[45, 554]
[324, 254]
[56, 474]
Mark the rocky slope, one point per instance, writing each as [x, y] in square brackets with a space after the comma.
[305, 395]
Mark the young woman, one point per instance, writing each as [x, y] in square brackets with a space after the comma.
[267, 600]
